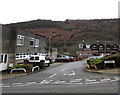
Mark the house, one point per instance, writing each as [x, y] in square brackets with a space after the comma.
[16, 45]
[88, 50]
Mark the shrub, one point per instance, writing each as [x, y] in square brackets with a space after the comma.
[79, 58]
[96, 62]
[99, 63]
[27, 67]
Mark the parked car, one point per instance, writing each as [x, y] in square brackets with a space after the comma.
[64, 58]
[39, 60]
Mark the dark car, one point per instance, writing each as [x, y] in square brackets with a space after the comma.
[64, 58]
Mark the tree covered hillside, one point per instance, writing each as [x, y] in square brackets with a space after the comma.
[71, 32]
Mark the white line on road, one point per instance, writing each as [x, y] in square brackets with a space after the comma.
[1, 84]
[75, 80]
[16, 83]
[44, 82]
[4, 86]
[72, 74]
[53, 75]
[31, 82]
[88, 80]
[105, 80]
[116, 78]
[63, 69]
[92, 82]
[57, 82]
[65, 74]
[51, 80]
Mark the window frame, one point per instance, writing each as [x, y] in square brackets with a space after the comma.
[37, 42]
[3, 58]
[20, 37]
[33, 40]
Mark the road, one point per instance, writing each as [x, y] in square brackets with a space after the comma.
[66, 78]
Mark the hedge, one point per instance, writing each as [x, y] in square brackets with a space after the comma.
[99, 63]
[27, 67]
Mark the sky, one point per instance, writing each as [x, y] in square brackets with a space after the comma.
[13, 11]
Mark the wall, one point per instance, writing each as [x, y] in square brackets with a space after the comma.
[26, 48]
[0, 38]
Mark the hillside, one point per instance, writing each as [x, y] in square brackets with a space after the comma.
[71, 32]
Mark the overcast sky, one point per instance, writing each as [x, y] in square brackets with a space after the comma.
[12, 11]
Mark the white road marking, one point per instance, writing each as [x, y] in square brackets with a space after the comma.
[16, 83]
[31, 82]
[51, 80]
[88, 80]
[71, 83]
[92, 82]
[75, 80]
[105, 80]
[57, 82]
[4, 86]
[53, 75]
[45, 82]
[63, 69]
[1, 84]
[72, 74]
[116, 78]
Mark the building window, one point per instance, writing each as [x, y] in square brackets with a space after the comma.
[20, 40]
[36, 43]
[32, 42]
[81, 45]
[3, 58]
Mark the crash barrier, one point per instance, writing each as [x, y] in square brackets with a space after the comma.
[36, 67]
[18, 70]
[109, 62]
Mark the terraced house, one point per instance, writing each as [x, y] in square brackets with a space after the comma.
[17, 44]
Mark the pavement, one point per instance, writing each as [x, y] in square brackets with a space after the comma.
[6, 75]
[105, 71]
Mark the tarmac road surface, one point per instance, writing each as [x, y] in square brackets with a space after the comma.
[66, 78]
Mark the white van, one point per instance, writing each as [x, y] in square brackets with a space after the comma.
[39, 60]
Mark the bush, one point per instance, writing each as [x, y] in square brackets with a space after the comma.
[99, 63]
[27, 67]
[96, 62]
[79, 58]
